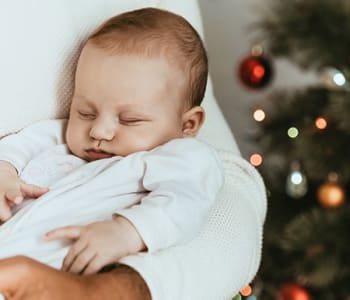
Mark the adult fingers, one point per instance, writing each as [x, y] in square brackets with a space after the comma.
[32, 191]
[73, 252]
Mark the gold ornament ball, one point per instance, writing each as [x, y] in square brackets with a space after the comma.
[331, 195]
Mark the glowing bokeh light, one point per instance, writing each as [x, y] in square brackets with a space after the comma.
[256, 159]
[293, 132]
[321, 123]
[296, 177]
[259, 115]
[339, 79]
[246, 291]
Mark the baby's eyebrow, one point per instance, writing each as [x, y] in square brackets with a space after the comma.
[87, 101]
[136, 114]
[133, 108]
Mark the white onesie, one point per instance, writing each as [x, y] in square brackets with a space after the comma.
[166, 193]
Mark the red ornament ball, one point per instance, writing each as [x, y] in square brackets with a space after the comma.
[255, 71]
[293, 291]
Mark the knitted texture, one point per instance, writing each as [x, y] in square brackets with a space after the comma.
[226, 254]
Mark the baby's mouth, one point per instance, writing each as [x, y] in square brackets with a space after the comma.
[94, 154]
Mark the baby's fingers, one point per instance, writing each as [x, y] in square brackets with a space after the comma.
[95, 265]
[32, 191]
[14, 196]
[68, 232]
[5, 211]
[80, 261]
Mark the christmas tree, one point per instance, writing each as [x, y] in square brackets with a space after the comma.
[304, 140]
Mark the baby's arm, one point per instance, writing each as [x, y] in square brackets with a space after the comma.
[184, 177]
[19, 148]
[16, 150]
[98, 244]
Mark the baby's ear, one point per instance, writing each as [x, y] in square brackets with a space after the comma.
[192, 121]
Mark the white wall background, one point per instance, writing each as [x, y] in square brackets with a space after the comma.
[226, 35]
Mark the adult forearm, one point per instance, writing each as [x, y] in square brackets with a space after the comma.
[22, 278]
[123, 283]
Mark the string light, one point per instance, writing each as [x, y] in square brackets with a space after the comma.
[256, 159]
[296, 183]
[293, 132]
[321, 123]
[259, 115]
[246, 291]
[296, 177]
[339, 79]
[333, 78]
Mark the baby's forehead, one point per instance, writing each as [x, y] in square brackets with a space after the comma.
[142, 66]
[168, 50]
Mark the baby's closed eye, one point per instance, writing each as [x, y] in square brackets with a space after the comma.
[126, 121]
[86, 115]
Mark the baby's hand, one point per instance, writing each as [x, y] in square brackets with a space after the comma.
[15, 194]
[13, 191]
[97, 244]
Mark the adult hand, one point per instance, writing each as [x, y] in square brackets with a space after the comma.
[22, 278]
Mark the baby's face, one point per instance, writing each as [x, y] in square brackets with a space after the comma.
[123, 104]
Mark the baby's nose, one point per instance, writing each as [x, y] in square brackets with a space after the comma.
[104, 130]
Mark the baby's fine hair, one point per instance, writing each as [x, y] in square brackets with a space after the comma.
[151, 32]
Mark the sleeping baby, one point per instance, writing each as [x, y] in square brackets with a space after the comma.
[124, 173]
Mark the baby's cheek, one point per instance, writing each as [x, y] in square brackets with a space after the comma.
[74, 144]
[147, 143]
[131, 143]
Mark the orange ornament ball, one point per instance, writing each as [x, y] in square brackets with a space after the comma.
[331, 195]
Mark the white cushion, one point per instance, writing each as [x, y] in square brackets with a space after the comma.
[41, 41]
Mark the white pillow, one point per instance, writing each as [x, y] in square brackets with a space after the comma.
[40, 44]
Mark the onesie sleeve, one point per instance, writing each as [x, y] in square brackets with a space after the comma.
[184, 177]
[19, 148]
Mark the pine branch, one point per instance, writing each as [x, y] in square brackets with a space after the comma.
[313, 33]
